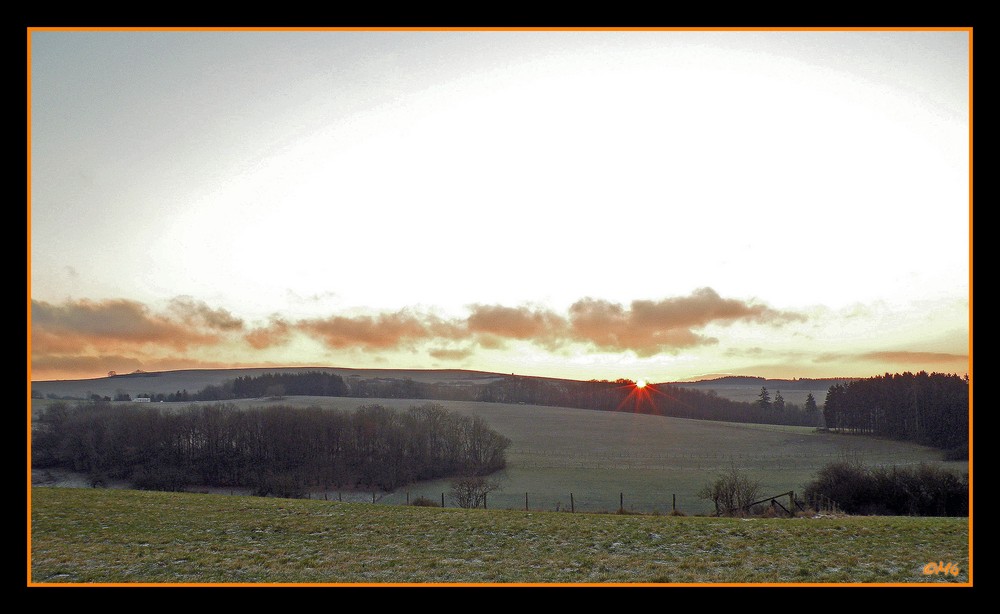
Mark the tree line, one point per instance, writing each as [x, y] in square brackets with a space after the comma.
[283, 451]
[660, 400]
[855, 488]
[929, 409]
[603, 395]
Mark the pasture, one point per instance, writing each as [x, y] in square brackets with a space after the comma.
[123, 536]
[606, 458]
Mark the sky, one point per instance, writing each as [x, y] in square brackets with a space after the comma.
[650, 204]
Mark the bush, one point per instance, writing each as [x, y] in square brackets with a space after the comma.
[891, 491]
[166, 478]
[732, 492]
[471, 491]
[425, 502]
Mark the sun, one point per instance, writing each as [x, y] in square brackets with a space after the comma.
[640, 383]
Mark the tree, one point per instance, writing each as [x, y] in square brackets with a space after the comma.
[732, 492]
[764, 400]
[471, 491]
[779, 401]
[811, 408]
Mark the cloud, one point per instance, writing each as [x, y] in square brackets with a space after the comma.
[668, 325]
[385, 331]
[917, 358]
[96, 365]
[739, 352]
[515, 322]
[85, 329]
[110, 324]
[197, 313]
[451, 354]
[278, 332]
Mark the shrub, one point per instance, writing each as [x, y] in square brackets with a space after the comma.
[891, 491]
[425, 502]
[732, 492]
[471, 491]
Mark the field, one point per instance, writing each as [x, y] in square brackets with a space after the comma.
[120, 536]
[608, 458]
[602, 458]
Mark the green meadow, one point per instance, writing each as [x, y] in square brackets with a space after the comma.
[605, 459]
[643, 462]
[124, 536]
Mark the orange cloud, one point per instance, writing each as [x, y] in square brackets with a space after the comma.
[82, 332]
[108, 325]
[95, 365]
[917, 358]
[382, 332]
[197, 313]
[652, 327]
[515, 322]
[449, 354]
[277, 332]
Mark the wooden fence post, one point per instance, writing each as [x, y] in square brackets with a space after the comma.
[572, 506]
[442, 499]
[526, 502]
[674, 505]
[621, 502]
[484, 501]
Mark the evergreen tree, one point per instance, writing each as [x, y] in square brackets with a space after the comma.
[764, 400]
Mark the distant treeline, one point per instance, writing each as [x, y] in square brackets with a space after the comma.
[660, 400]
[603, 395]
[284, 451]
[317, 383]
[930, 409]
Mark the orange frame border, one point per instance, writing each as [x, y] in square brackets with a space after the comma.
[969, 30]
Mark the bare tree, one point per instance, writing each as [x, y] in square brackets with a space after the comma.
[471, 491]
[732, 492]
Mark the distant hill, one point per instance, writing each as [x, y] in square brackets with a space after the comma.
[192, 380]
[735, 387]
[727, 398]
[747, 388]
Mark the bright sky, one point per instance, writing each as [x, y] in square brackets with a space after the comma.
[582, 204]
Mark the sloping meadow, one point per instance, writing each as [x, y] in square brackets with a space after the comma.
[121, 536]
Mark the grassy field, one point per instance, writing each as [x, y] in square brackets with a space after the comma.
[604, 457]
[124, 536]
